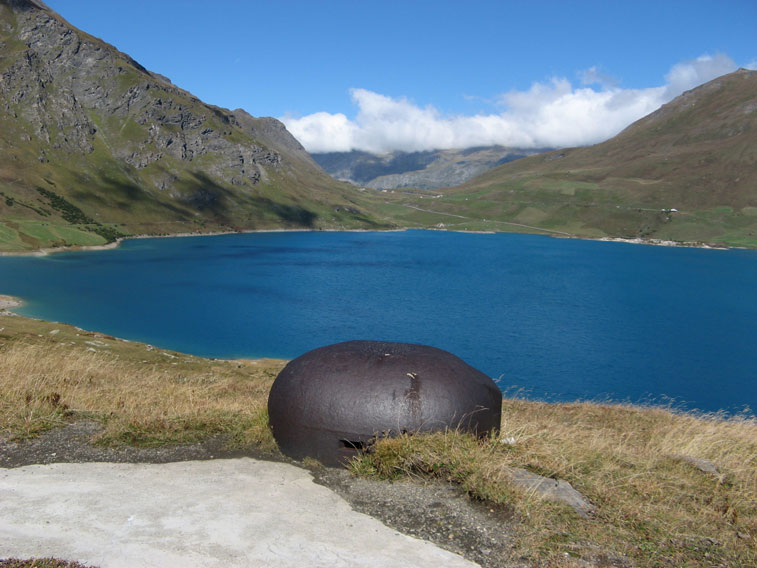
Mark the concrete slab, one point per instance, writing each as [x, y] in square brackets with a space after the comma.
[218, 513]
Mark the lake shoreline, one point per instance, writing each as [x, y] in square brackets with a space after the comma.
[10, 302]
[117, 243]
[8, 305]
[662, 243]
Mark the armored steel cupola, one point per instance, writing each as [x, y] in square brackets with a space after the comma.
[333, 401]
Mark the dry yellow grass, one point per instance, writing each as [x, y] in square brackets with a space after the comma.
[653, 507]
[43, 385]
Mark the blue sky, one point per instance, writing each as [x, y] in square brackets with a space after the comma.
[413, 75]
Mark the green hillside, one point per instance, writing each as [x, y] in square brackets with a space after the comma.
[93, 146]
[687, 172]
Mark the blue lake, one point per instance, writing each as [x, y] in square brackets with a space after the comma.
[561, 319]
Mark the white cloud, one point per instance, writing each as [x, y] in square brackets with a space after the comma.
[592, 76]
[549, 114]
[323, 130]
[685, 76]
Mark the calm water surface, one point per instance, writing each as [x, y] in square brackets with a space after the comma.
[560, 319]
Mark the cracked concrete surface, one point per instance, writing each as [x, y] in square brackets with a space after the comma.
[236, 512]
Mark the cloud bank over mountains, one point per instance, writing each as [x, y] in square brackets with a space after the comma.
[555, 113]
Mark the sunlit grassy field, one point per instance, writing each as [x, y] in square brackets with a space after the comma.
[52, 374]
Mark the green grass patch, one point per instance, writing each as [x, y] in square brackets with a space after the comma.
[23, 235]
[132, 131]
[51, 234]
[79, 237]
[9, 239]
[563, 186]
[737, 240]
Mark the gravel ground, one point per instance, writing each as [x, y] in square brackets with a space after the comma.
[71, 444]
[435, 512]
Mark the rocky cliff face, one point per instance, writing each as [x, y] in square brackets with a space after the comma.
[422, 170]
[63, 78]
[89, 123]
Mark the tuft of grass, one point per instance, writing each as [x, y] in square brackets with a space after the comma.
[654, 507]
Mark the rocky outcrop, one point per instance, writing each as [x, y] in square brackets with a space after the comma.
[273, 134]
[422, 170]
[64, 77]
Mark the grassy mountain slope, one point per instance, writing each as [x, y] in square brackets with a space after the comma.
[696, 154]
[93, 145]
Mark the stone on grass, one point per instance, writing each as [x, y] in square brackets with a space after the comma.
[703, 465]
[552, 489]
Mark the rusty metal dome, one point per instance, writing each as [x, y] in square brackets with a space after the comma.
[333, 401]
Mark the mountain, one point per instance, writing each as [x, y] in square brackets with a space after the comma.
[686, 172]
[93, 145]
[422, 170]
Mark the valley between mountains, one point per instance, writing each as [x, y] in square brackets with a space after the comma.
[94, 147]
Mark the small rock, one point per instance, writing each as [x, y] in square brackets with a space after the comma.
[552, 489]
[702, 465]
